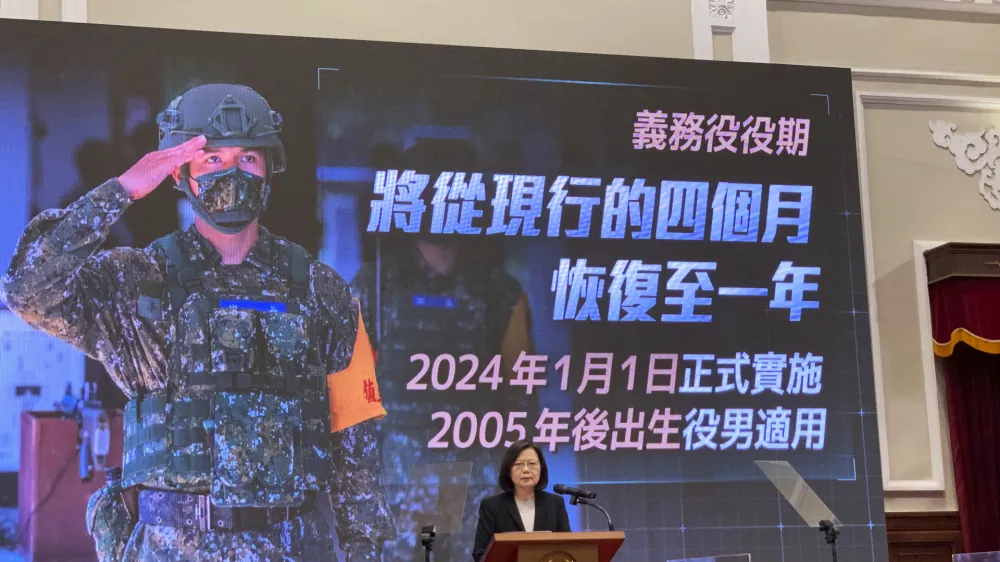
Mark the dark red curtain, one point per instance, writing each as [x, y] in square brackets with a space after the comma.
[966, 318]
[966, 310]
[972, 380]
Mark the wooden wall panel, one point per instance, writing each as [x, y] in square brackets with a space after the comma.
[923, 537]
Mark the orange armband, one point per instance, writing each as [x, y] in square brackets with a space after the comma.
[354, 395]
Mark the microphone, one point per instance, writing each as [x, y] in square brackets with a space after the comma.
[427, 534]
[581, 496]
[571, 491]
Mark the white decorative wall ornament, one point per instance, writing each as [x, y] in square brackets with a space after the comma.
[723, 9]
[977, 152]
[747, 27]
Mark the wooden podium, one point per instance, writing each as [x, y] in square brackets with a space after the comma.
[554, 547]
[52, 501]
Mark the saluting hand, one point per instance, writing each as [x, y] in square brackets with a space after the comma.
[150, 171]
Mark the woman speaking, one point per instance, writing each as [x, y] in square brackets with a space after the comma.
[523, 505]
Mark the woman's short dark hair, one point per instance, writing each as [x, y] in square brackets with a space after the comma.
[514, 451]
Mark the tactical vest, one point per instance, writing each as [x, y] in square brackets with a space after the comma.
[245, 414]
[464, 316]
[433, 321]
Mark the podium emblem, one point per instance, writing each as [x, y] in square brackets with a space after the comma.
[558, 557]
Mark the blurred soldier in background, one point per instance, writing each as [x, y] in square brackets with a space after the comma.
[436, 295]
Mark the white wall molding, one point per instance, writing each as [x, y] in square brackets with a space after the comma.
[962, 6]
[926, 76]
[19, 9]
[927, 362]
[746, 20]
[936, 482]
[701, 30]
[74, 11]
[926, 100]
[70, 10]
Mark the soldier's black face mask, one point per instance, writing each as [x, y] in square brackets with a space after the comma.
[229, 200]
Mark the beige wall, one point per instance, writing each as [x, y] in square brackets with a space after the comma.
[915, 192]
[634, 27]
[914, 189]
[879, 38]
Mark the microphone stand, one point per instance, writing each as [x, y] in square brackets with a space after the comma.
[831, 536]
[578, 500]
[427, 534]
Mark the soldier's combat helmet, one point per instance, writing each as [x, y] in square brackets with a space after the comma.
[228, 115]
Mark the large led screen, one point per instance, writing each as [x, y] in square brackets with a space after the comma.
[652, 269]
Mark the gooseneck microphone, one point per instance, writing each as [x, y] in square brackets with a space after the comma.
[571, 491]
[581, 496]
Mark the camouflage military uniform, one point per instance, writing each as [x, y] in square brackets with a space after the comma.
[473, 312]
[106, 304]
[107, 518]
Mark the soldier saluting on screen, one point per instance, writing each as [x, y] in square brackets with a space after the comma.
[248, 368]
